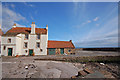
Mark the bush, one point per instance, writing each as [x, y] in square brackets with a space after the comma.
[17, 55]
[33, 54]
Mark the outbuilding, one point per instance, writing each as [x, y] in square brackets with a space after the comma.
[60, 47]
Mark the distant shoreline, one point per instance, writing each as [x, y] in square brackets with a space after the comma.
[101, 49]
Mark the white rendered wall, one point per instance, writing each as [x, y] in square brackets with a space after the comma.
[4, 42]
[32, 44]
[43, 44]
[17, 43]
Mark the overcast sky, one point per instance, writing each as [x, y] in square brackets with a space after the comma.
[87, 24]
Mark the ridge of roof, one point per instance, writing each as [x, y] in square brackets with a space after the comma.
[25, 30]
[60, 44]
[58, 41]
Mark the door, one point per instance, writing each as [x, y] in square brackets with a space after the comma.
[51, 51]
[62, 50]
[9, 51]
[30, 51]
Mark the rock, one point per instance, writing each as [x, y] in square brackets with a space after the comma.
[73, 77]
[102, 63]
[26, 67]
[88, 70]
[82, 73]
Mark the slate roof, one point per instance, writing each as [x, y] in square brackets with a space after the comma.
[60, 44]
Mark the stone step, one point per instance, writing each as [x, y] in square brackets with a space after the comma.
[88, 71]
[82, 73]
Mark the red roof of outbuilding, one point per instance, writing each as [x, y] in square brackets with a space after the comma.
[60, 44]
[25, 30]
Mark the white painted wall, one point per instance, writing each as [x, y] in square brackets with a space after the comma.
[17, 43]
[4, 42]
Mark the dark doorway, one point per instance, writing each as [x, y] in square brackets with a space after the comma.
[9, 51]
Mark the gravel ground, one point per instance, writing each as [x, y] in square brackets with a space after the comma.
[14, 67]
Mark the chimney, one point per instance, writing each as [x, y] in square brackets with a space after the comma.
[70, 40]
[33, 28]
[14, 26]
[0, 26]
[47, 27]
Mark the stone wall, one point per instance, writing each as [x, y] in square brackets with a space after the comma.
[69, 50]
[57, 50]
[66, 50]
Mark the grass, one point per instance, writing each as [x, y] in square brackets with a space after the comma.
[84, 59]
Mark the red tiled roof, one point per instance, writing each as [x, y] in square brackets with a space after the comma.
[1, 32]
[25, 30]
[60, 44]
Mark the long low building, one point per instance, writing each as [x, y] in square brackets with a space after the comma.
[60, 47]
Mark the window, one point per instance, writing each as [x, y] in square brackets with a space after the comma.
[9, 40]
[26, 36]
[4, 47]
[38, 36]
[26, 51]
[25, 45]
[69, 50]
[38, 44]
[41, 50]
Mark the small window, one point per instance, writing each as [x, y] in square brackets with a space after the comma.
[26, 51]
[38, 36]
[26, 36]
[69, 50]
[9, 40]
[4, 47]
[25, 45]
[41, 50]
[38, 45]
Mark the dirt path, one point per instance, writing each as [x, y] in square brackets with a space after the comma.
[37, 69]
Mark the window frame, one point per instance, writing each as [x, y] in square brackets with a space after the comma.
[37, 44]
[9, 40]
[39, 36]
[25, 45]
[27, 36]
[4, 47]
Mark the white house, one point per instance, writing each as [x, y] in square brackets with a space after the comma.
[24, 41]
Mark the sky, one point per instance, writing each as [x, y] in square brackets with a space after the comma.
[87, 24]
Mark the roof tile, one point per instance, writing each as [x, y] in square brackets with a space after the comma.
[25, 30]
[60, 44]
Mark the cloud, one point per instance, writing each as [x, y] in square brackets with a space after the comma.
[97, 24]
[88, 21]
[27, 4]
[10, 17]
[96, 19]
[12, 5]
[32, 17]
[105, 36]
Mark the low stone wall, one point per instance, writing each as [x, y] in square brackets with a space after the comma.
[69, 51]
[81, 59]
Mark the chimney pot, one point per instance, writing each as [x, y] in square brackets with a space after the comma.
[70, 40]
[46, 26]
[14, 25]
[33, 22]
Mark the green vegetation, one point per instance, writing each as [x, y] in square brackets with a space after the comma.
[85, 59]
